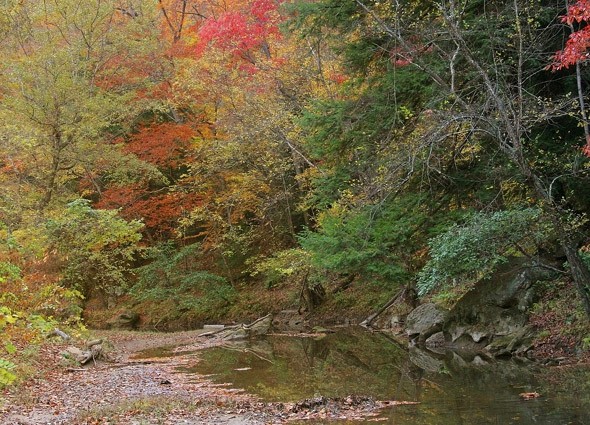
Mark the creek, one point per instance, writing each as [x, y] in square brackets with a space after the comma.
[451, 388]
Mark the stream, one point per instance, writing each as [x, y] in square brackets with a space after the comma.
[449, 388]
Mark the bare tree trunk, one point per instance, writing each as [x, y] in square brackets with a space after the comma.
[579, 271]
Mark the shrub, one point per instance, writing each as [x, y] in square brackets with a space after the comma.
[469, 252]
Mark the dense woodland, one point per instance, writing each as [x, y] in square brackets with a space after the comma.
[210, 160]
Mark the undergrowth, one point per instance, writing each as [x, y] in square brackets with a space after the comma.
[562, 327]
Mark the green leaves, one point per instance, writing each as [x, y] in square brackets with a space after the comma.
[374, 241]
[96, 246]
[174, 273]
[9, 271]
[467, 253]
[6, 376]
[7, 317]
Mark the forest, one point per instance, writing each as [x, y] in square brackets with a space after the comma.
[212, 161]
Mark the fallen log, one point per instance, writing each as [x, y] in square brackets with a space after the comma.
[93, 342]
[369, 320]
[258, 327]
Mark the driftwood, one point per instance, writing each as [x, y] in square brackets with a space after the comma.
[93, 352]
[60, 333]
[369, 320]
[258, 327]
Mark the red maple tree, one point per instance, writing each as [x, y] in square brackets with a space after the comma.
[576, 50]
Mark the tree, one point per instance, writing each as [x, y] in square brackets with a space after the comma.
[486, 63]
[96, 248]
[61, 96]
[575, 52]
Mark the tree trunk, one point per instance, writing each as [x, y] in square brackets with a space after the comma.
[580, 273]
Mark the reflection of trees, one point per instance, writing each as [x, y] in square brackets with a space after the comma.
[370, 364]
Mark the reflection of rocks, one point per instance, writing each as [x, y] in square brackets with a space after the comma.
[492, 316]
[430, 361]
[289, 321]
[426, 360]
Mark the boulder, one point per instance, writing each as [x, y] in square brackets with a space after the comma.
[127, 320]
[495, 308]
[424, 321]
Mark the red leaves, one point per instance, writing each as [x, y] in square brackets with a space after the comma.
[231, 31]
[576, 47]
[241, 31]
[577, 12]
[163, 145]
[263, 11]
[575, 50]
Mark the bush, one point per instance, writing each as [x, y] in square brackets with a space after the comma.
[96, 248]
[377, 242]
[469, 252]
[291, 265]
[174, 274]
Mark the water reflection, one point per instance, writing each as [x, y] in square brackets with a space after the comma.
[451, 388]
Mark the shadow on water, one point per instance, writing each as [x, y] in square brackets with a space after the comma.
[451, 388]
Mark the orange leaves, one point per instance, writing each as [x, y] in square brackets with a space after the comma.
[161, 213]
[160, 210]
[163, 145]
[178, 17]
[167, 146]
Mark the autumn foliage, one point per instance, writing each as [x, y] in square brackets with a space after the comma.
[242, 31]
[576, 47]
[164, 144]
[577, 44]
[237, 131]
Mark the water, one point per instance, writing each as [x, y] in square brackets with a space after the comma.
[451, 389]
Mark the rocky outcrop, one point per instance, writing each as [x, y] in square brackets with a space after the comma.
[492, 316]
[127, 320]
[496, 309]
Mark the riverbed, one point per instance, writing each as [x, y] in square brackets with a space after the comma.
[352, 376]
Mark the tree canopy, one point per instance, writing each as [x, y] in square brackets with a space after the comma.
[220, 151]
